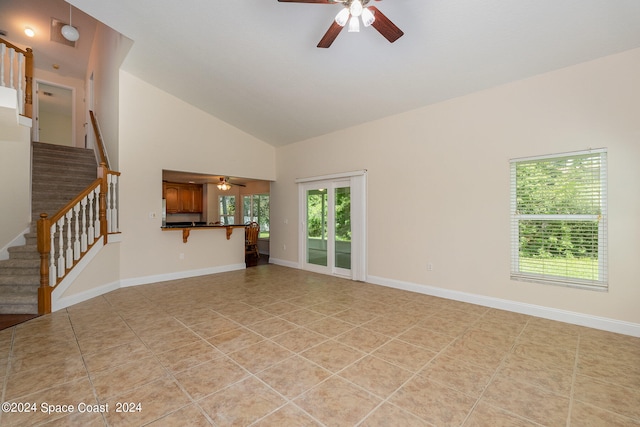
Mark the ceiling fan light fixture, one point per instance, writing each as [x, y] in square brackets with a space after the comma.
[367, 17]
[356, 8]
[223, 185]
[354, 25]
[342, 17]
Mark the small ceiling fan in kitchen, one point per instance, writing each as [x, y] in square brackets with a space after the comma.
[352, 12]
[225, 183]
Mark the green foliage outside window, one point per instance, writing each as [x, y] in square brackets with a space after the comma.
[559, 210]
[317, 214]
[255, 208]
[557, 187]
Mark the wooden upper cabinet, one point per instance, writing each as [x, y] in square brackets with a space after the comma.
[171, 193]
[182, 198]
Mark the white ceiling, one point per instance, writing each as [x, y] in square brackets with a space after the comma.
[255, 65]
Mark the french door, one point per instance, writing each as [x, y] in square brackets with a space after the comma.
[332, 226]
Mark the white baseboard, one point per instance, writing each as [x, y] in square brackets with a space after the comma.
[18, 241]
[180, 275]
[58, 302]
[603, 323]
[283, 262]
[65, 302]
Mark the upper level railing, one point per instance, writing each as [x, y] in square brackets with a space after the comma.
[67, 236]
[16, 72]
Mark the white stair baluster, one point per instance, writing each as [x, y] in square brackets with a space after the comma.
[61, 263]
[12, 53]
[52, 256]
[69, 253]
[97, 206]
[114, 209]
[3, 50]
[76, 235]
[109, 203]
[90, 230]
[83, 235]
[21, 83]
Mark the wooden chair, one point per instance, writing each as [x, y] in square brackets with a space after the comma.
[251, 232]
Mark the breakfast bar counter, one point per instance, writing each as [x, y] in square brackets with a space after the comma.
[186, 229]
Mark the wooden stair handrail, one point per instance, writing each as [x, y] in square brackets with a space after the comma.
[99, 141]
[28, 74]
[75, 201]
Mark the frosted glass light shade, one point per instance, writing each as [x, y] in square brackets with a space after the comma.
[367, 17]
[70, 33]
[355, 8]
[342, 17]
[354, 25]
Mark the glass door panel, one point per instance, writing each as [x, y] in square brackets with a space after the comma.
[317, 216]
[343, 227]
[332, 212]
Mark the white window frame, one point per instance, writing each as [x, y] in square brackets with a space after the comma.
[600, 284]
[253, 199]
[222, 217]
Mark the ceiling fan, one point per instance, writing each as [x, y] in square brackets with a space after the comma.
[225, 183]
[353, 11]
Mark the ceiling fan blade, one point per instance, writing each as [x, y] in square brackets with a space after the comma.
[330, 35]
[309, 1]
[384, 26]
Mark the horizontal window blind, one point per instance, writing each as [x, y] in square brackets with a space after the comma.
[559, 219]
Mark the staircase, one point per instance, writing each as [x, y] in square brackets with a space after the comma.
[58, 175]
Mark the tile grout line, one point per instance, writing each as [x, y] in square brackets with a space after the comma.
[5, 380]
[574, 375]
[250, 374]
[495, 374]
[414, 375]
[84, 363]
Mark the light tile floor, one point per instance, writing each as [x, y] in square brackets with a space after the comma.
[272, 346]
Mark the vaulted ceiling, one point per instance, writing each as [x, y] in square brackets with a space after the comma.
[255, 64]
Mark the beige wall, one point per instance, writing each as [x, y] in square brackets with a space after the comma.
[158, 131]
[107, 54]
[101, 271]
[15, 181]
[438, 183]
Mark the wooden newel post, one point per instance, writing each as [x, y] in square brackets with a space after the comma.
[44, 248]
[102, 174]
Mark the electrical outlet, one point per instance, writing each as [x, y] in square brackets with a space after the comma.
[284, 247]
[429, 266]
[153, 215]
[181, 256]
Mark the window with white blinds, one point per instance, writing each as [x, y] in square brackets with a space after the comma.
[559, 219]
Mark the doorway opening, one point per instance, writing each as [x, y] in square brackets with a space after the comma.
[54, 114]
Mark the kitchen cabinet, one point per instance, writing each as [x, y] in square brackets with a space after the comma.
[182, 198]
